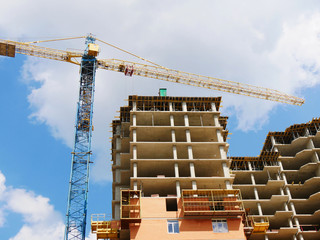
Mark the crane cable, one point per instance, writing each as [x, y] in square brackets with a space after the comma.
[52, 40]
[109, 44]
[132, 54]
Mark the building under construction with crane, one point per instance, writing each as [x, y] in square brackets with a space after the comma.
[172, 178]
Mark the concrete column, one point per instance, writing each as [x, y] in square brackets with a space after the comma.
[118, 159]
[273, 141]
[188, 135]
[315, 157]
[310, 144]
[184, 107]
[171, 121]
[134, 106]
[118, 143]
[285, 205]
[284, 178]
[249, 166]
[228, 185]
[194, 185]
[216, 120]
[288, 192]
[118, 176]
[186, 120]
[290, 223]
[135, 185]
[293, 209]
[118, 130]
[281, 191]
[259, 209]
[192, 171]
[223, 153]
[296, 222]
[255, 190]
[134, 152]
[117, 211]
[135, 170]
[190, 153]
[280, 165]
[175, 154]
[213, 107]
[134, 135]
[178, 190]
[219, 136]
[134, 120]
[173, 135]
[176, 170]
[226, 172]
[170, 107]
[252, 179]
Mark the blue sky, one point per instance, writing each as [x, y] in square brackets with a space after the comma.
[265, 43]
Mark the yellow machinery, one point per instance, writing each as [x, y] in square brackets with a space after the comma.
[260, 227]
[104, 229]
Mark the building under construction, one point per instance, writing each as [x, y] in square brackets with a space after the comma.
[172, 178]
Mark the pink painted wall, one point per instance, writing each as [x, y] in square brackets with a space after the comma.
[153, 225]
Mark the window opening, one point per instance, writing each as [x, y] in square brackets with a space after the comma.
[173, 226]
[219, 226]
[171, 204]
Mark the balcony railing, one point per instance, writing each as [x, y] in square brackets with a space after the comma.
[214, 202]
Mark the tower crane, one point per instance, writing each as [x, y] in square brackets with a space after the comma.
[88, 62]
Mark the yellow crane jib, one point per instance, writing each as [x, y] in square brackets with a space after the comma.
[9, 48]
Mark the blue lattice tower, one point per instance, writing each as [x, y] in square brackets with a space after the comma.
[79, 178]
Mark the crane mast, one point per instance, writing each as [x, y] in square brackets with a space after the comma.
[79, 177]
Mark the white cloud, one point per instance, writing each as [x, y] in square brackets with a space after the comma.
[261, 43]
[40, 219]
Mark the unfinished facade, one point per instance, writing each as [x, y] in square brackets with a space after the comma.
[282, 185]
[171, 177]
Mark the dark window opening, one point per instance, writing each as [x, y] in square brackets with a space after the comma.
[171, 204]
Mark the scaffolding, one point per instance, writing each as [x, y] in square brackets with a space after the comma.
[160, 103]
[130, 209]
[213, 202]
[103, 228]
[257, 163]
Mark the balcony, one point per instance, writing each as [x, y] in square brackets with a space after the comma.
[130, 207]
[214, 202]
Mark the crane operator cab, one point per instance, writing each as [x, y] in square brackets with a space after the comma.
[93, 49]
